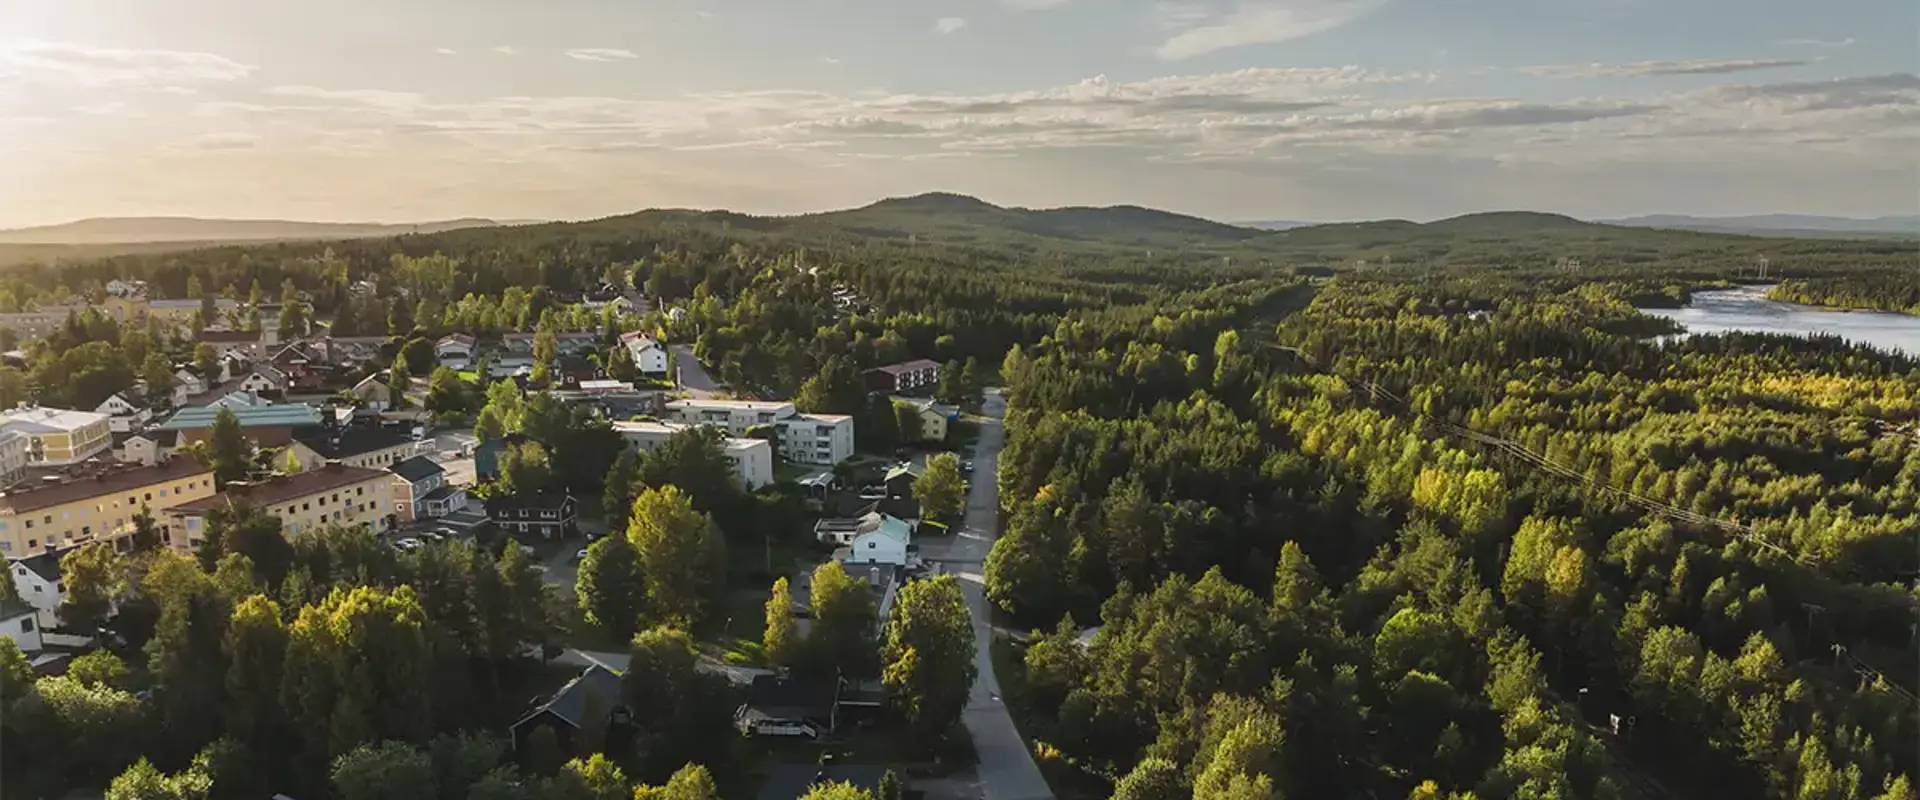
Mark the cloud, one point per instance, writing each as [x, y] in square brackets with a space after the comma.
[37, 61]
[829, 60]
[223, 141]
[1033, 5]
[1207, 28]
[506, 50]
[601, 54]
[1835, 44]
[946, 25]
[1651, 69]
[445, 51]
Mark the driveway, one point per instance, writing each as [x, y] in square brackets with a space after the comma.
[1006, 769]
[690, 375]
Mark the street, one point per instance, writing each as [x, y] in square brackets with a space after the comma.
[1006, 769]
[690, 375]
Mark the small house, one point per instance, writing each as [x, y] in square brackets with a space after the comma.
[126, 411]
[548, 514]
[589, 707]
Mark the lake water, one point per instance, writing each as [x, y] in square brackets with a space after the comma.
[1748, 309]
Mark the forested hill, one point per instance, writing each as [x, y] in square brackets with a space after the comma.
[128, 230]
[975, 230]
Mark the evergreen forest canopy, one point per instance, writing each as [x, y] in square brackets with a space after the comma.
[1380, 509]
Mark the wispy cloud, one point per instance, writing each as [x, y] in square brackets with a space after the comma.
[1204, 28]
[507, 50]
[1653, 69]
[601, 54]
[829, 60]
[61, 62]
[445, 51]
[946, 25]
[1830, 44]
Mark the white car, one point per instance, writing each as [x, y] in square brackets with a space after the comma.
[408, 544]
[580, 556]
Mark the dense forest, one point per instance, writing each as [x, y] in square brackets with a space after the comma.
[1464, 537]
[1883, 290]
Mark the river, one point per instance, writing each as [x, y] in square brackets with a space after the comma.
[1748, 309]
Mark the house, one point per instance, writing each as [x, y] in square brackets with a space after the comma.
[146, 447]
[36, 579]
[268, 425]
[934, 417]
[126, 410]
[265, 379]
[589, 704]
[19, 622]
[900, 477]
[335, 494]
[916, 374]
[374, 393]
[129, 288]
[59, 437]
[239, 399]
[454, 350]
[188, 381]
[15, 451]
[648, 356]
[421, 491]
[877, 539]
[805, 438]
[752, 459]
[368, 446]
[785, 705]
[794, 781]
[549, 514]
[249, 345]
[95, 506]
[564, 342]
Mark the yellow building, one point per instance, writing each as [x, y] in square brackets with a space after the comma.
[98, 507]
[58, 437]
[335, 494]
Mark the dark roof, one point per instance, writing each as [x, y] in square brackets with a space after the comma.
[417, 469]
[596, 688]
[787, 697]
[228, 336]
[45, 564]
[443, 492]
[540, 500]
[791, 781]
[281, 488]
[30, 497]
[907, 366]
[132, 398]
[353, 441]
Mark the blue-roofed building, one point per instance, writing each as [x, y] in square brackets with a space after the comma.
[288, 415]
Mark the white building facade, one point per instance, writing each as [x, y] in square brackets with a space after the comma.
[825, 439]
[752, 458]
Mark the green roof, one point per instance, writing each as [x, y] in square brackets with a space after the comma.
[291, 414]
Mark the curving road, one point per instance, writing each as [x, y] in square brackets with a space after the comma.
[1006, 769]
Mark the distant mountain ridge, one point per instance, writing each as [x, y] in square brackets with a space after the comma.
[126, 230]
[1779, 224]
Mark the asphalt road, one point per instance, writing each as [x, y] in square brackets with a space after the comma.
[690, 375]
[1006, 769]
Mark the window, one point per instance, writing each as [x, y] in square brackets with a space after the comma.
[149, 495]
[306, 506]
[29, 524]
[33, 543]
[26, 625]
[86, 530]
[193, 524]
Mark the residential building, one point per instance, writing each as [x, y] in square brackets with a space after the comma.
[334, 494]
[888, 542]
[40, 322]
[126, 411]
[94, 507]
[304, 364]
[565, 342]
[899, 478]
[19, 622]
[454, 350]
[549, 514]
[934, 417]
[804, 438]
[265, 379]
[126, 288]
[190, 380]
[587, 709]
[147, 448]
[752, 459]
[250, 345]
[374, 392]
[369, 446]
[239, 398]
[786, 705]
[916, 374]
[277, 415]
[36, 579]
[648, 356]
[59, 437]
[421, 491]
[14, 453]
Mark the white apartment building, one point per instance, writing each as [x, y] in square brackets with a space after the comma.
[752, 458]
[59, 437]
[13, 456]
[804, 438]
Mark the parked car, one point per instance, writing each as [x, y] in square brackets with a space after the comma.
[408, 544]
[580, 556]
[966, 469]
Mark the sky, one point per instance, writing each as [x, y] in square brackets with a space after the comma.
[413, 110]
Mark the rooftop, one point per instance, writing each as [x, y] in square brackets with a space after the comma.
[281, 488]
[595, 688]
[743, 405]
[32, 497]
[354, 441]
[417, 468]
[287, 414]
[909, 366]
[49, 420]
[227, 337]
[834, 419]
[45, 563]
